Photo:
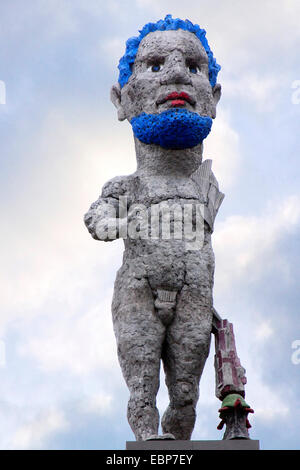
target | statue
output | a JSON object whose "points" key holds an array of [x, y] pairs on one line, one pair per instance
{"points": [[162, 306]]}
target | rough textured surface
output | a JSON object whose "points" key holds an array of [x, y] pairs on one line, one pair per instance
{"points": [[230, 375], [162, 303]]}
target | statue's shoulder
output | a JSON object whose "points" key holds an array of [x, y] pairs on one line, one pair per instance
{"points": [[209, 187], [117, 186]]}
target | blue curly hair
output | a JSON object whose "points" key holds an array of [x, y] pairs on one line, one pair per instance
{"points": [[132, 45]]}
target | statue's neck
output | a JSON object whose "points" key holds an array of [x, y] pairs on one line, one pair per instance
{"points": [[155, 160]]}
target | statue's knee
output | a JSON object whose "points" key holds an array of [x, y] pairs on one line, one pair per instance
{"points": [[183, 394]]}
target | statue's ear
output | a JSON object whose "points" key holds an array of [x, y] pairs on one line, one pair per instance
{"points": [[115, 96], [216, 91]]}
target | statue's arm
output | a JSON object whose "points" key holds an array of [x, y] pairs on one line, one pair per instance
{"points": [[102, 219]]}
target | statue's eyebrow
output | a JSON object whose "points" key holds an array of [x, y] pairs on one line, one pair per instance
{"points": [[201, 58], [151, 56]]}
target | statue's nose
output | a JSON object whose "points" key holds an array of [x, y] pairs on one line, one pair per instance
{"points": [[176, 72]]}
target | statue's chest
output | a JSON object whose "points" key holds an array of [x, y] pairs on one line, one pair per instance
{"points": [[151, 190]]}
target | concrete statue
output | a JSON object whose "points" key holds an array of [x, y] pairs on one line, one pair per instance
{"points": [[162, 306]]}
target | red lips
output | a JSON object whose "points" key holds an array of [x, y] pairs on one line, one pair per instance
{"points": [[178, 99]]}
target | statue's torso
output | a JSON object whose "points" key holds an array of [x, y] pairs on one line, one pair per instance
{"points": [[180, 252], [172, 251]]}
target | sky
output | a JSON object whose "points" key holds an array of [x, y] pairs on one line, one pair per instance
{"points": [[61, 385]]}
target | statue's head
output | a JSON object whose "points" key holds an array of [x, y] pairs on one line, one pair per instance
{"points": [[167, 85]]}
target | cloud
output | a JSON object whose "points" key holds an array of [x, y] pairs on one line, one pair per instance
{"points": [[222, 146], [263, 331], [77, 344], [255, 332], [45, 248], [48, 19], [112, 50], [266, 399], [246, 247], [262, 91], [98, 404], [33, 434], [250, 250]]}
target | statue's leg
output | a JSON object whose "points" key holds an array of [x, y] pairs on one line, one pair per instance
{"points": [[185, 351], [139, 334]]}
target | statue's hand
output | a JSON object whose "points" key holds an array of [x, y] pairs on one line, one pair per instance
{"points": [[106, 229], [101, 221]]}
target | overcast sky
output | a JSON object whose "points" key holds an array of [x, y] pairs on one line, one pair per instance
{"points": [[61, 385]]}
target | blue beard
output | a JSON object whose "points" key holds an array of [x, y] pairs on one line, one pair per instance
{"points": [[175, 128]]}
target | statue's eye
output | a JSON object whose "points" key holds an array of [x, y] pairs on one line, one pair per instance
{"points": [[155, 68], [193, 69]]}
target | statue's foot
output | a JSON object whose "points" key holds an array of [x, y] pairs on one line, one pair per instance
{"points": [[159, 437]]}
